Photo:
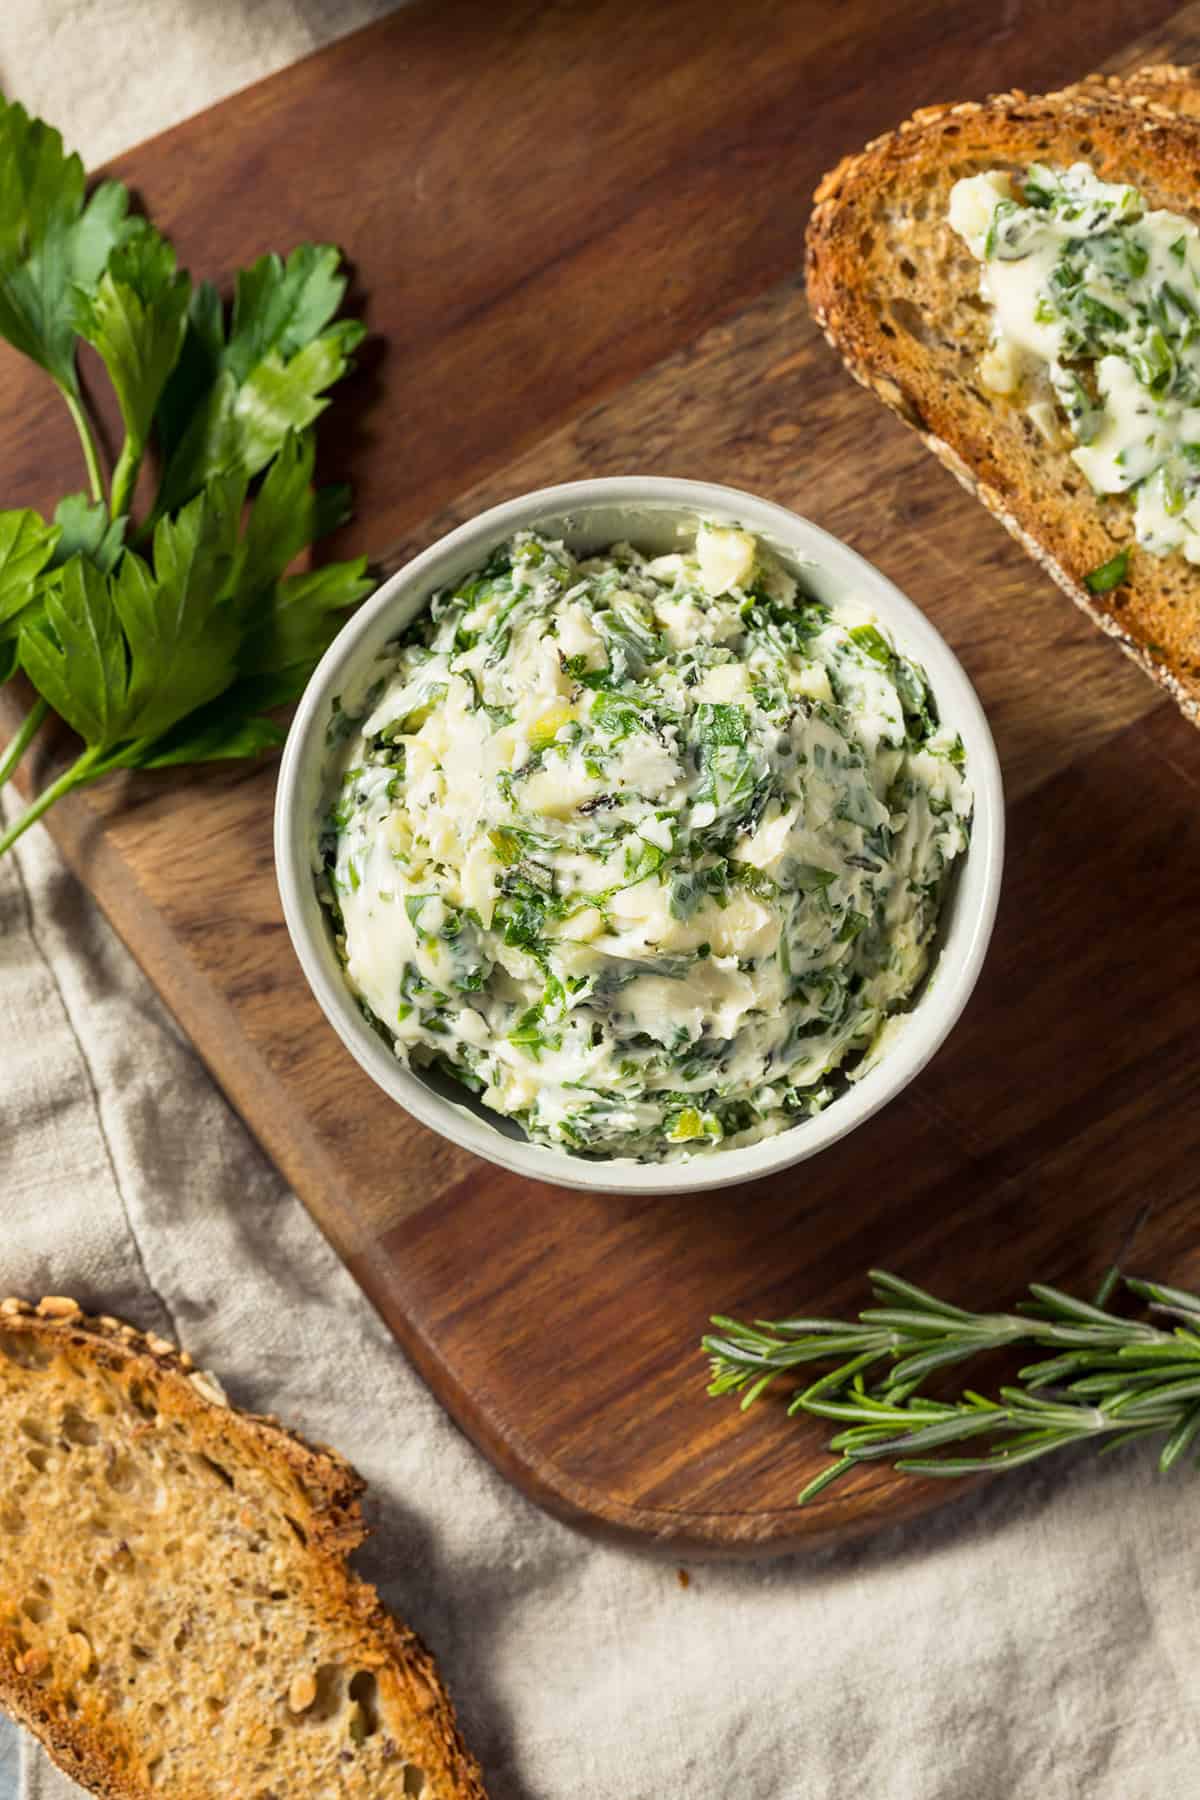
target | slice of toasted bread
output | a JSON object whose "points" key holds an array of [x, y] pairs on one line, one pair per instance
{"points": [[896, 292], [177, 1617]]}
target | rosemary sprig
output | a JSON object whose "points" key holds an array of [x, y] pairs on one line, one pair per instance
{"points": [[1110, 1378]]}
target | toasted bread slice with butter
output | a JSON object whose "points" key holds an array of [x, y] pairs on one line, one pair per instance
{"points": [[177, 1617], [896, 292]]}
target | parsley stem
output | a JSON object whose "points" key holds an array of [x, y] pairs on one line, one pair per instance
{"points": [[30, 727], [90, 456], [124, 477], [79, 772]]}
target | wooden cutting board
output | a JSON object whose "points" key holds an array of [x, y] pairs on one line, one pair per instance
{"points": [[578, 232]]}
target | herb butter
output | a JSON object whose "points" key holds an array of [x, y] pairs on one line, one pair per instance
{"points": [[643, 850], [1100, 296]]}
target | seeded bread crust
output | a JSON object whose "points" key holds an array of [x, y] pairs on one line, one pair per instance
{"points": [[1174, 86], [896, 294], [229, 1652]]}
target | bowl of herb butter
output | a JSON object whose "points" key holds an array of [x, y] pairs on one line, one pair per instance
{"points": [[640, 835]]}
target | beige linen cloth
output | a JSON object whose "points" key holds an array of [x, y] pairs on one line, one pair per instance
{"points": [[1039, 1640]]}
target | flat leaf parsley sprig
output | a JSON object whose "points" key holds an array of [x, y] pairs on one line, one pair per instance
{"points": [[165, 640], [1111, 1378]]}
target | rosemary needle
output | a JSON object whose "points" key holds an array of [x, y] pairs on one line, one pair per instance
{"points": [[1109, 1379]]}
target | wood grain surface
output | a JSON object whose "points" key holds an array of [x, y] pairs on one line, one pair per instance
{"points": [[577, 231]]}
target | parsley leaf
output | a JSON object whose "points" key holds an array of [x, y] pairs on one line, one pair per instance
{"points": [[233, 398], [852, 924], [299, 622], [76, 659], [290, 621], [281, 306], [872, 642], [210, 735], [123, 657], [50, 241], [717, 722], [52, 244], [182, 634], [1109, 575], [79, 528], [156, 664], [26, 545], [135, 319], [288, 515], [87, 530]]}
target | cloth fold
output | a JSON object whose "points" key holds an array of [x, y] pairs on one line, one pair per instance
{"points": [[1035, 1641]]}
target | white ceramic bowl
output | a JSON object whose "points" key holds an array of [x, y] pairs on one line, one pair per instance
{"points": [[653, 513]]}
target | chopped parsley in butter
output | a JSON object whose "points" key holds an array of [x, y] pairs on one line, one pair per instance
{"points": [[1100, 297], [644, 850]]}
